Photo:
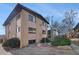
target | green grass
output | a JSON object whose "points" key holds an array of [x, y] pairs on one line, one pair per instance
{"points": [[60, 42]]}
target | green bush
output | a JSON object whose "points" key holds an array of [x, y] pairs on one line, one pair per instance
{"points": [[13, 43], [45, 40], [60, 42]]}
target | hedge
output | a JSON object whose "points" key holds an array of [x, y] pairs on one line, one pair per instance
{"points": [[60, 42], [13, 43]]}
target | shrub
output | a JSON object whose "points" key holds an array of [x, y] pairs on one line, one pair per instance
{"points": [[45, 40], [1, 40], [60, 42], [13, 43]]}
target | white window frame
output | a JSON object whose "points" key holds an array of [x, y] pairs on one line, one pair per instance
{"points": [[18, 29]]}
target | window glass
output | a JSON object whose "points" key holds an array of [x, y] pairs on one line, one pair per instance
{"points": [[32, 30], [18, 29], [32, 18], [43, 32], [44, 24]]}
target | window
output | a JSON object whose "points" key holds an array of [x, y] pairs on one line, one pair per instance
{"points": [[17, 17], [32, 41], [43, 23], [32, 18], [43, 32], [18, 29], [32, 30]]}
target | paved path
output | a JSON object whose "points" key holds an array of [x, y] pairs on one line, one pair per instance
{"points": [[43, 51], [75, 48], [34, 50]]}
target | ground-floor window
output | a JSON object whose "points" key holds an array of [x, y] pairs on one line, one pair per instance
{"points": [[32, 41], [32, 30]]}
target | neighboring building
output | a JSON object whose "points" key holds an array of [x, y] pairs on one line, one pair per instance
{"points": [[52, 33], [49, 34], [75, 32], [76, 28], [25, 24], [55, 32]]}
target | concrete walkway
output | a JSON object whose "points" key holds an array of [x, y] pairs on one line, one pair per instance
{"points": [[42, 50], [75, 48], [65, 50]]}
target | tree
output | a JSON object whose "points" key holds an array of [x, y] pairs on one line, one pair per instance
{"points": [[48, 19], [68, 21], [56, 25], [51, 28], [51, 25], [54, 28]]}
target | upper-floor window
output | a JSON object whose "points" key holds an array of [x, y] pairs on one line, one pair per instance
{"points": [[18, 16], [32, 18], [32, 30], [18, 29], [43, 23], [43, 32]]}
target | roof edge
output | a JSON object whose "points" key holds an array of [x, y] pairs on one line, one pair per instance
{"points": [[25, 8]]}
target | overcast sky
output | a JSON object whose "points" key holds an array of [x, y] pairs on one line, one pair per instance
{"points": [[56, 10]]}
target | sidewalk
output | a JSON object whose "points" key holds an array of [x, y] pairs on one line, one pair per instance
{"points": [[75, 48], [40, 50]]}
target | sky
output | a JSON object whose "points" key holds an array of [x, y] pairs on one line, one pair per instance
{"points": [[56, 10]]}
